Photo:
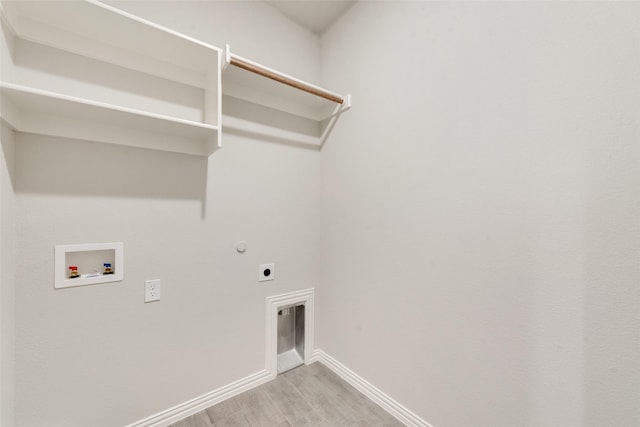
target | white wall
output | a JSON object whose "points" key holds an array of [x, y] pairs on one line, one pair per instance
{"points": [[97, 355], [480, 230], [480, 227], [7, 276], [7, 262], [252, 28]]}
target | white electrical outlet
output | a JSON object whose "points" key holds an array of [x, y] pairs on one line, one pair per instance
{"points": [[267, 272], [152, 290]]}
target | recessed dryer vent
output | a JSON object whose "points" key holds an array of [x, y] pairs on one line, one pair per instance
{"points": [[289, 327], [290, 337]]}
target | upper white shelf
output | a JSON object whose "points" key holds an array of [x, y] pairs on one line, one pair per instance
{"points": [[99, 31], [94, 30], [42, 112]]}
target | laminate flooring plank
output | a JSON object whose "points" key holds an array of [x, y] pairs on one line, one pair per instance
{"points": [[223, 410], [371, 413], [201, 419], [329, 405], [377, 416], [325, 402], [368, 412], [259, 409], [362, 405], [237, 419], [291, 403], [342, 389], [308, 396]]}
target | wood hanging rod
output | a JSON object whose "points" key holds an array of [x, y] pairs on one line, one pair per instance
{"points": [[283, 78]]}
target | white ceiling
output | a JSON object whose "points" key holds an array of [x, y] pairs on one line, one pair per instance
{"points": [[315, 15]]}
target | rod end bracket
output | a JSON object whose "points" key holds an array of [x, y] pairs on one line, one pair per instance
{"points": [[227, 57]]}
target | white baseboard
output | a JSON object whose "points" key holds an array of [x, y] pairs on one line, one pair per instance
{"points": [[390, 405], [186, 409]]}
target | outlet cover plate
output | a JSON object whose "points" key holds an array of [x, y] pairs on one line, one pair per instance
{"points": [[152, 290], [266, 272]]}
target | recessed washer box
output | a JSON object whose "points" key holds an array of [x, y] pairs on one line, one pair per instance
{"points": [[89, 258]]}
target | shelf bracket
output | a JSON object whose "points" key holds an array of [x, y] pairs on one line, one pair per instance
{"points": [[341, 108], [226, 61], [333, 119]]}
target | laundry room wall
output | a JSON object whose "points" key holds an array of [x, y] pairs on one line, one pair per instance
{"points": [[7, 276], [98, 355], [481, 226]]}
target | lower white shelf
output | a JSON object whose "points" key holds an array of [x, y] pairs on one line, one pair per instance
{"points": [[89, 261], [46, 113]]}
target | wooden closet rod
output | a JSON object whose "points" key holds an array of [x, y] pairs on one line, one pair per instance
{"points": [[263, 71]]}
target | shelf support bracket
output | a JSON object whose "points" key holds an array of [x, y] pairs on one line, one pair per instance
{"points": [[333, 119], [226, 61]]}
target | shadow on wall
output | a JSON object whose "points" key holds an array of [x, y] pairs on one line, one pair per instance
{"points": [[8, 149], [255, 121], [49, 165], [107, 82]]}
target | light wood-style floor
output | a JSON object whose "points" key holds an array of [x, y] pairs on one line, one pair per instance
{"points": [[307, 396]]}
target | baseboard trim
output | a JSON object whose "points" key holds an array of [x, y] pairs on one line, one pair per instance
{"points": [[390, 405], [186, 409]]}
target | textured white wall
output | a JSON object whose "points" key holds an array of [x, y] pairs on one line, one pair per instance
{"points": [[7, 276], [97, 355], [252, 28], [481, 226], [7, 260]]}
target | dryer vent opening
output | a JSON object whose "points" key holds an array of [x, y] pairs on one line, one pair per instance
{"points": [[290, 337]]}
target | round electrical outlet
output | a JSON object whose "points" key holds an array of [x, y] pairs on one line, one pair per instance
{"points": [[267, 272]]}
